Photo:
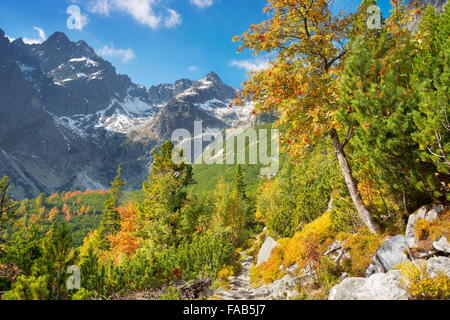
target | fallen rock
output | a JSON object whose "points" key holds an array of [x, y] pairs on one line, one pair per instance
{"points": [[438, 265], [374, 267], [292, 269], [423, 213], [196, 289], [393, 252], [285, 288], [266, 250], [442, 245], [380, 286]]}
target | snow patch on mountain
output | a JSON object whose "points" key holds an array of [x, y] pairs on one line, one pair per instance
{"points": [[120, 123], [86, 61]]}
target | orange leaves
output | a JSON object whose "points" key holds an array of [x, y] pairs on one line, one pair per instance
{"points": [[307, 43], [72, 194], [125, 242], [53, 213]]}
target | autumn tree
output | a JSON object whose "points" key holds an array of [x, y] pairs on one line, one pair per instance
{"points": [[124, 243], [309, 45], [54, 212], [40, 200]]}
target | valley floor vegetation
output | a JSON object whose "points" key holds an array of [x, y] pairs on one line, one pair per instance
{"points": [[366, 142]]}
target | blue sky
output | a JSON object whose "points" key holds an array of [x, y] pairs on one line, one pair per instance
{"points": [[152, 41]]}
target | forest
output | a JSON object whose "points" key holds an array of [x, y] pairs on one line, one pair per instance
{"points": [[365, 143]]}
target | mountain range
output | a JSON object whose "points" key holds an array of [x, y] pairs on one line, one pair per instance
{"points": [[68, 119]]}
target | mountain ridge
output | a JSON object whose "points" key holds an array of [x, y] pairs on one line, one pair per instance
{"points": [[75, 119]]}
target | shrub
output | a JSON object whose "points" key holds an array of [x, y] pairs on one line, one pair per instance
{"points": [[421, 285], [299, 194], [308, 245], [433, 230], [361, 248], [204, 256], [226, 272], [84, 294], [172, 293], [306, 248], [270, 270], [28, 288]]}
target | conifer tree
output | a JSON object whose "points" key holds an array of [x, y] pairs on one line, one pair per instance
{"points": [[57, 255], [238, 182], [377, 101], [94, 274], [111, 218], [165, 195], [431, 80], [7, 204]]}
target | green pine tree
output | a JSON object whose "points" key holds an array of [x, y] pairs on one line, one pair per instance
{"points": [[431, 81], [111, 219], [165, 195], [57, 255], [238, 182], [7, 205], [376, 104], [94, 273]]}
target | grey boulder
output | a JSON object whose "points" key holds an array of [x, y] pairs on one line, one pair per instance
{"points": [[442, 245], [392, 252], [423, 213], [266, 250], [380, 286]]}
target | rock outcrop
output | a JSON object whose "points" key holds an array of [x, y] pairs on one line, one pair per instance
{"points": [[392, 252], [383, 281], [380, 286]]}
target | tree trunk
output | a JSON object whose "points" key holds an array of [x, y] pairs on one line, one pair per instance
{"points": [[352, 185]]}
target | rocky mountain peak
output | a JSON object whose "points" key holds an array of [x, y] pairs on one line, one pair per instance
{"points": [[212, 76], [67, 97], [58, 37], [4, 41]]}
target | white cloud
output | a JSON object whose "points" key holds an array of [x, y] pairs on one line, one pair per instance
{"points": [[202, 3], [126, 55], [194, 69], [42, 37], [146, 12], [251, 64], [101, 7], [173, 19]]}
